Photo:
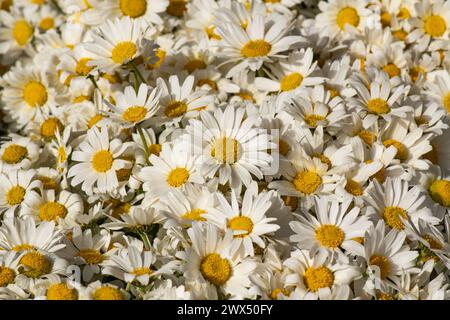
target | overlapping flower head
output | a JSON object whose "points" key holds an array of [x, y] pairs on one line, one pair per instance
{"points": [[230, 149]]}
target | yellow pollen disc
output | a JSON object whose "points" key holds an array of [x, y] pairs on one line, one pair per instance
{"points": [[446, 102], [112, 78], [353, 188], [215, 269], [416, 72], [211, 34], [384, 296], [283, 147], [175, 109], [360, 240], [226, 150], [123, 52], [403, 13], [347, 15], [392, 70], [62, 155], [402, 152], [102, 161], [91, 256], [133, 8], [93, 121], [6, 4], [312, 119], [291, 81], [61, 291], [307, 182], [385, 19], [333, 92], [134, 114], [108, 293], [80, 99], [177, 177], [49, 126], [378, 106], [434, 244], [194, 214], [68, 80], [14, 153], [121, 209], [194, 64], [256, 48], [176, 8], [22, 32], [23, 247], [400, 34], [142, 271], [48, 183], [47, 23], [440, 192], [274, 294], [161, 55], [432, 155], [391, 216], [330, 236], [383, 263], [51, 211], [7, 276], [15, 195], [35, 94], [211, 83], [82, 68], [248, 96], [123, 174], [366, 136], [241, 223], [435, 26], [290, 201], [324, 159], [155, 149], [317, 278], [38, 2], [36, 264]]}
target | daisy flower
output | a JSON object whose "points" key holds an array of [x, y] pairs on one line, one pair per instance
{"points": [[248, 221], [19, 153], [103, 291], [99, 160], [16, 31]]}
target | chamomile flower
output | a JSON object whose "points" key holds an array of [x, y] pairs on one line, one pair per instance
{"points": [[19, 153]]}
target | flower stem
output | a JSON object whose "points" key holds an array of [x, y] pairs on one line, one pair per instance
{"points": [[144, 142], [137, 72]]}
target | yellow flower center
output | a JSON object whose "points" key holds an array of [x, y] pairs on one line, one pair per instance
{"points": [[307, 182], [400, 34], [123, 174], [80, 99], [194, 64], [333, 92], [47, 23], [392, 70], [383, 263], [82, 68], [155, 149], [133, 8], [176, 8], [245, 95], [290, 201], [403, 13], [384, 296], [142, 271], [49, 126], [35, 94], [175, 109], [51, 211], [15, 195], [7, 276], [14, 153], [330, 236], [379, 175], [435, 26], [215, 269], [366, 136], [22, 32], [211, 34], [35, 264], [23, 247], [93, 121], [312, 119], [177, 177], [291, 81], [241, 223], [347, 15], [226, 150], [378, 106], [38, 2], [440, 192], [123, 52], [211, 83], [48, 183], [108, 293], [61, 291], [161, 55], [353, 188], [434, 244], [91, 256], [6, 4], [385, 19], [256, 48], [416, 72], [391, 216], [283, 147], [194, 214], [324, 159], [102, 161], [446, 102], [402, 152], [317, 278], [274, 294], [134, 114]]}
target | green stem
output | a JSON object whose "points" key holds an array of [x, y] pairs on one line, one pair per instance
{"points": [[144, 142], [55, 3], [137, 73], [93, 82], [145, 240]]}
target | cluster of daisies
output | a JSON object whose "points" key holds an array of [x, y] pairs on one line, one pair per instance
{"points": [[230, 149]]}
